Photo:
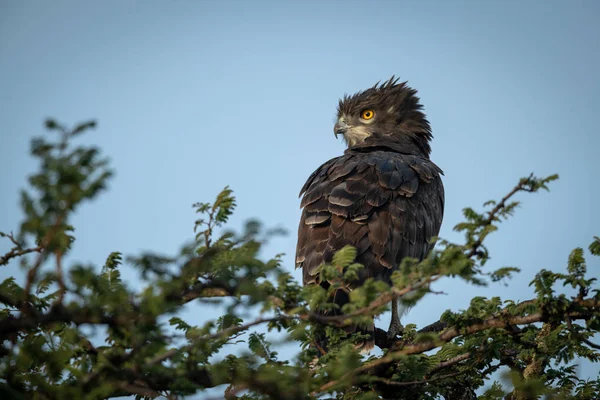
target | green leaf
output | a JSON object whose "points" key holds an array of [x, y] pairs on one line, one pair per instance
{"points": [[344, 257], [595, 246]]}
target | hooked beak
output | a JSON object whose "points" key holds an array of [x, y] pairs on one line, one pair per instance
{"points": [[341, 127]]}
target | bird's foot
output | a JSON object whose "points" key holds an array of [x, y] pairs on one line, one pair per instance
{"points": [[394, 331], [396, 327]]}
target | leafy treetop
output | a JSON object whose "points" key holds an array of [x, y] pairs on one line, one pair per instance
{"points": [[151, 351]]}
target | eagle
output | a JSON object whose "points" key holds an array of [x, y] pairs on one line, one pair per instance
{"points": [[383, 196]]}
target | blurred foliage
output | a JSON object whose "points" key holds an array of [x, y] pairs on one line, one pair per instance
{"points": [[148, 350]]}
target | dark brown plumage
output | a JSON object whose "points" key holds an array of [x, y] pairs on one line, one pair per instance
{"points": [[383, 196]]}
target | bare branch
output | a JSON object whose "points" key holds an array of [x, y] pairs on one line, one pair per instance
{"points": [[17, 250]]}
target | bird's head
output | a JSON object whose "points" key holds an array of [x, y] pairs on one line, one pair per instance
{"points": [[387, 114]]}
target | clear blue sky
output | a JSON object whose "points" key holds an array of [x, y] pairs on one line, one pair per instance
{"points": [[195, 95]]}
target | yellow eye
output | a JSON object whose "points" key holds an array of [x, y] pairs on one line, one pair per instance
{"points": [[367, 114]]}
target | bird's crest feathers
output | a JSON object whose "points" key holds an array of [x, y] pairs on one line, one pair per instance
{"points": [[399, 120]]}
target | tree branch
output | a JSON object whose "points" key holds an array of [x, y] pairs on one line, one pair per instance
{"points": [[492, 215], [17, 250], [453, 332]]}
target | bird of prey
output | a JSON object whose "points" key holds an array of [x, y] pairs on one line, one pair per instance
{"points": [[384, 196]]}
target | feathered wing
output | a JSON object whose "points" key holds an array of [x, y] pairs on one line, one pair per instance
{"points": [[386, 204]]}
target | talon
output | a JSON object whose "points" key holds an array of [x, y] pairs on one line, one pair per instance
{"points": [[394, 332]]}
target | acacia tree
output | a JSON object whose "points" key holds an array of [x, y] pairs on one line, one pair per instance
{"points": [[150, 351]]}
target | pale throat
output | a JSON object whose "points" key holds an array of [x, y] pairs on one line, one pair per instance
{"points": [[356, 135]]}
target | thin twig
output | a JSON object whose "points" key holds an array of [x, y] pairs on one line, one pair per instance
{"points": [[225, 332], [59, 277], [17, 250], [579, 335], [421, 382], [493, 213], [451, 361]]}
